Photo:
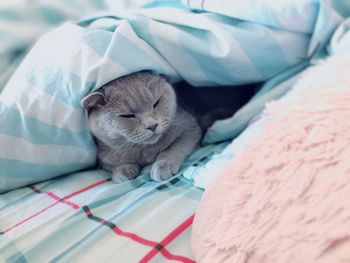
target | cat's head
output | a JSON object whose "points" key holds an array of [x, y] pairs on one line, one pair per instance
{"points": [[138, 108]]}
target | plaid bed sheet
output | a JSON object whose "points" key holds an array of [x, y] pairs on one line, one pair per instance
{"points": [[83, 217]]}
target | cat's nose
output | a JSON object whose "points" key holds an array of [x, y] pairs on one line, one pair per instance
{"points": [[152, 127]]}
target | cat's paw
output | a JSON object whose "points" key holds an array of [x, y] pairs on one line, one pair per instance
{"points": [[119, 178], [163, 170], [124, 173]]}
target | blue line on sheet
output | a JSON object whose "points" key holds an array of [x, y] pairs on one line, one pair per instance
{"points": [[22, 199]]}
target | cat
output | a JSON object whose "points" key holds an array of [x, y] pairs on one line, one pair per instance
{"points": [[136, 121]]}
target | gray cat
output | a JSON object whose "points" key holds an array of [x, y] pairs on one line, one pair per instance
{"points": [[136, 121]]}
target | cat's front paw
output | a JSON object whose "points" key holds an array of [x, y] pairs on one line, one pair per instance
{"points": [[124, 173], [163, 170]]}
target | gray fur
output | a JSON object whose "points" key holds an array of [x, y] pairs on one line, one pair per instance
{"points": [[125, 144]]}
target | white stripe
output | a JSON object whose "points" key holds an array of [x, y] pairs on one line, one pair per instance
{"points": [[176, 17], [187, 66], [129, 33], [292, 14], [35, 103], [13, 148], [224, 45], [293, 53], [73, 10], [114, 5], [93, 68], [22, 31], [87, 64]]}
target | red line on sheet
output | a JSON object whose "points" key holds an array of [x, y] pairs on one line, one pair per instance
{"points": [[169, 256], [167, 240], [134, 237], [30, 217], [177, 231], [58, 200], [86, 188]]}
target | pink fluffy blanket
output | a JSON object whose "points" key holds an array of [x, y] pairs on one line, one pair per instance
{"points": [[287, 198]]}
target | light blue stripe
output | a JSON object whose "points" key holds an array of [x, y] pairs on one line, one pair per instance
{"points": [[73, 4], [98, 3], [37, 132], [141, 26], [10, 42], [326, 22], [17, 258], [121, 50], [165, 3], [342, 6], [82, 5], [62, 84], [266, 17], [8, 14], [51, 15], [196, 43], [261, 48]]}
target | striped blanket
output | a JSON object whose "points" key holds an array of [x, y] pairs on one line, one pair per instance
{"points": [[43, 128]]}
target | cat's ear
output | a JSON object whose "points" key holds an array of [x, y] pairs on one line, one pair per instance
{"points": [[93, 99]]}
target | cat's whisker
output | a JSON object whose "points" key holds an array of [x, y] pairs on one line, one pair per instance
{"points": [[126, 143]]}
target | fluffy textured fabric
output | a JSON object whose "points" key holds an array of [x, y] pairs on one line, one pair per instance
{"points": [[287, 198]]}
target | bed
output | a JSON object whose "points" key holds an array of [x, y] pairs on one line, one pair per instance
{"points": [[55, 204]]}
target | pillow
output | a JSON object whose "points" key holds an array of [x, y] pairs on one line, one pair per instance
{"points": [[286, 198]]}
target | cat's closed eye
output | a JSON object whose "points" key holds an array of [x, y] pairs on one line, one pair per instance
{"points": [[128, 116], [156, 104]]}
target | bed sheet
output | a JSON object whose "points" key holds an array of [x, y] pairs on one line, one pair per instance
{"points": [[84, 217]]}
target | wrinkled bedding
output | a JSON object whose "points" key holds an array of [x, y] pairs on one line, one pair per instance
{"points": [[43, 128], [83, 217]]}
